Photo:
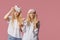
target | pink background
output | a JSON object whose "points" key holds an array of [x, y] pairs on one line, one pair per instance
{"points": [[48, 12]]}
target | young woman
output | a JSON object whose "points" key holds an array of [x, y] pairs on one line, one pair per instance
{"points": [[15, 21], [31, 26]]}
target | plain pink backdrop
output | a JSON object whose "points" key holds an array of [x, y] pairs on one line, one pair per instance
{"points": [[48, 13]]}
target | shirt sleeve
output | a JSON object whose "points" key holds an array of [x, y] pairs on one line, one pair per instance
{"points": [[36, 31], [38, 25], [24, 26], [9, 18]]}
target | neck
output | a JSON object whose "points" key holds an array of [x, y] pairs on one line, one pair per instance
{"points": [[15, 17], [31, 20]]}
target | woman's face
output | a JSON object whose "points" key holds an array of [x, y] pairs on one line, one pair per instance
{"points": [[16, 14], [32, 15]]}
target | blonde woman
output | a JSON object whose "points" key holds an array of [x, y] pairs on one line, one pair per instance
{"points": [[31, 26], [15, 21]]}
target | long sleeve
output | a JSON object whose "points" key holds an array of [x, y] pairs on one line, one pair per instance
{"points": [[36, 31], [38, 25]]}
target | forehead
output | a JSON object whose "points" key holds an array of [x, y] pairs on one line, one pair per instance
{"points": [[16, 12], [31, 13]]}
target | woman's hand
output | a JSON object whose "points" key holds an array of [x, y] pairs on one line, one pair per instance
{"points": [[12, 9]]}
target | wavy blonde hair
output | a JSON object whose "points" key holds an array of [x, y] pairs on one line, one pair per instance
{"points": [[34, 18], [19, 17]]}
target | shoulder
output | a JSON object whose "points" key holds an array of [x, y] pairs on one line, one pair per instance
{"points": [[9, 19]]}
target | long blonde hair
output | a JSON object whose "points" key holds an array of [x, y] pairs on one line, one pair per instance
{"points": [[19, 17], [34, 18]]}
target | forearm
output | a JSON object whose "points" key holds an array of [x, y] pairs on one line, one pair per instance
{"points": [[6, 16]]}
